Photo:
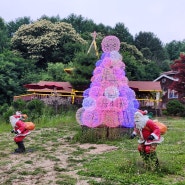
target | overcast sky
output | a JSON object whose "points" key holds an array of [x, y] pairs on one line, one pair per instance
{"points": [[164, 18]]}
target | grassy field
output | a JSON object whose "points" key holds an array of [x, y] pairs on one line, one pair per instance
{"points": [[56, 155]]}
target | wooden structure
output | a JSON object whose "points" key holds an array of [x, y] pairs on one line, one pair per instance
{"points": [[148, 93], [44, 89], [165, 80]]}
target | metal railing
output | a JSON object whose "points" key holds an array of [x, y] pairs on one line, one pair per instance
{"points": [[78, 99]]}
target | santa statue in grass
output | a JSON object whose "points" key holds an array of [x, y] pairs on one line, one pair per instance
{"points": [[19, 128], [149, 137]]}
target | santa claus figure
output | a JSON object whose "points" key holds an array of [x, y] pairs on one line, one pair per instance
{"points": [[19, 128], [149, 136]]}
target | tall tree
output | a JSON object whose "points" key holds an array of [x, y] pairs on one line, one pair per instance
{"points": [[122, 33], [80, 24], [83, 68], [150, 46], [179, 67], [174, 49], [4, 41], [13, 26], [14, 73], [43, 40]]}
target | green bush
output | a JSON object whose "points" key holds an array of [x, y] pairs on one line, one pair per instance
{"points": [[175, 108]]}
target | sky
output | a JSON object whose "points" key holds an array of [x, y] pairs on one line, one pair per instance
{"points": [[164, 18]]}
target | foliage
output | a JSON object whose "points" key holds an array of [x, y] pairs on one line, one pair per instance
{"points": [[56, 71], [82, 73], [175, 108], [13, 26], [40, 39], [80, 24], [179, 67], [174, 48], [14, 73], [150, 46], [122, 33], [4, 40]]}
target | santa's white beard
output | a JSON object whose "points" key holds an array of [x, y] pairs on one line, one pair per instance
{"points": [[141, 122]]}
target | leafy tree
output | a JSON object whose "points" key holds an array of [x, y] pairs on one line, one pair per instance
{"points": [[134, 68], [179, 67], [43, 39], [13, 26], [122, 33], [152, 71], [125, 47], [14, 73], [174, 49], [56, 71]]}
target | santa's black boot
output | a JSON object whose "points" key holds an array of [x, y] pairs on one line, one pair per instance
{"points": [[21, 147]]}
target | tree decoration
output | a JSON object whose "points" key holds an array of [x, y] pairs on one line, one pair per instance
{"points": [[79, 115], [110, 43], [108, 101]]}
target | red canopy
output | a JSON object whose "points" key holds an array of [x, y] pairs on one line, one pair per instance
{"points": [[53, 85], [33, 86], [48, 85]]}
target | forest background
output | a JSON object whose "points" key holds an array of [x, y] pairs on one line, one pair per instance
{"points": [[31, 51]]}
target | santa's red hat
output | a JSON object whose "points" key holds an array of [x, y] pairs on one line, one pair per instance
{"points": [[143, 112]]}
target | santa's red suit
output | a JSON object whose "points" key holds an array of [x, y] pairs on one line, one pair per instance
{"points": [[148, 132], [19, 128]]}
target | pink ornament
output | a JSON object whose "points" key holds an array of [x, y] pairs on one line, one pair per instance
{"points": [[115, 56], [102, 103], [95, 92], [79, 115], [91, 118], [111, 92], [89, 103], [97, 70], [110, 118], [110, 43], [106, 63]]}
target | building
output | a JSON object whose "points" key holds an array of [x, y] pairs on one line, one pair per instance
{"points": [[166, 79]]}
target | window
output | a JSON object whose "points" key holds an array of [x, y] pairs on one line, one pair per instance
{"points": [[172, 94]]}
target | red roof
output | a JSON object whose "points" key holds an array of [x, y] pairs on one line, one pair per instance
{"points": [[65, 87], [145, 85]]}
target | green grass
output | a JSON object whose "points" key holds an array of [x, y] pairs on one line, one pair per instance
{"points": [[61, 135]]}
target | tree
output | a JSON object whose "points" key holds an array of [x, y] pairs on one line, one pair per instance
{"points": [[179, 67], [14, 73], [174, 49], [122, 33], [43, 40], [150, 46], [83, 66], [13, 26], [4, 41], [80, 24], [53, 19]]}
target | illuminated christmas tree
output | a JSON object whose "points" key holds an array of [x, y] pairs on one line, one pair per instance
{"points": [[109, 101]]}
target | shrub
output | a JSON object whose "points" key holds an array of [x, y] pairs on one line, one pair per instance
{"points": [[175, 108]]}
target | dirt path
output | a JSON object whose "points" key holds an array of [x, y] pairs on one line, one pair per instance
{"points": [[53, 161]]}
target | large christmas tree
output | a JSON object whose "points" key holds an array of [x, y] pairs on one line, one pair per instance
{"points": [[108, 101]]}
